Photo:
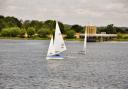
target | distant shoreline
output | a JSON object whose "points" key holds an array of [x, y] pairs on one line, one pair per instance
{"points": [[18, 38], [67, 39]]}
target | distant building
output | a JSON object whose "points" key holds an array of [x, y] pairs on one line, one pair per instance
{"points": [[92, 36], [90, 29]]}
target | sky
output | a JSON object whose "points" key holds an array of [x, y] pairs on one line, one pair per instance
{"points": [[83, 12]]}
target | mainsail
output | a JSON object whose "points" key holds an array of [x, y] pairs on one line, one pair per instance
{"points": [[58, 41]]}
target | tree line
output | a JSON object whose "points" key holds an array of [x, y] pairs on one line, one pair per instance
{"points": [[11, 26]]}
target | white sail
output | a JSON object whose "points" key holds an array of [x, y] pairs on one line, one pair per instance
{"points": [[51, 50], [85, 41], [58, 41]]}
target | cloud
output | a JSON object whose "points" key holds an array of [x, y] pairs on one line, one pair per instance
{"points": [[99, 12]]}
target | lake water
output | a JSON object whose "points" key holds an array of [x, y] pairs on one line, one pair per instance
{"points": [[23, 65]]}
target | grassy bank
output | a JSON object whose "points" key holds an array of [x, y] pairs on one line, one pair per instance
{"points": [[18, 38], [120, 37], [36, 38], [121, 40]]}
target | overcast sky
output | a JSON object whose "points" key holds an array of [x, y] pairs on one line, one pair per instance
{"points": [[97, 12]]}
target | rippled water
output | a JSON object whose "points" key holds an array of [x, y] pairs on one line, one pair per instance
{"points": [[23, 65]]}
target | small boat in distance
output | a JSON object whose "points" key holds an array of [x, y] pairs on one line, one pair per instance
{"points": [[57, 45], [85, 44]]}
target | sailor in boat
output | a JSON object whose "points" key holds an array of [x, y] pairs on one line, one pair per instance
{"points": [[57, 54]]}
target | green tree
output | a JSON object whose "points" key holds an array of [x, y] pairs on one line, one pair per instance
{"points": [[14, 31], [70, 34], [5, 32], [43, 33], [119, 30], [10, 32], [30, 31], [126, 30], [101, 29], [12, 22], [50, 24], [61, 27], [119, 36], [2, 25], [77, 28], [2, 22], [110, 29], [1, 17], [67, 27], [36, 24], [26, 24], [22, 32]]}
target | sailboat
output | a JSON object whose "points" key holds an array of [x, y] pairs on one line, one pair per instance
{"points": [[57, 45], [85, 42]]}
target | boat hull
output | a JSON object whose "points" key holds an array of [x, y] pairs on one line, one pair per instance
{"points": [[54, 57]]}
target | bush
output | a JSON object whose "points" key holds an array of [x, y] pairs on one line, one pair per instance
{"points": [[43, 33], [122, 36], [30, 31], [125, 36], [5, 32], [70, 34], [15, 31], [22, 33], [119, 36], [10, 32], [77, 28]]}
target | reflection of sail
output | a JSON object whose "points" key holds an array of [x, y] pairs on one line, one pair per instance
{"points": [[51, 50], [59, 42]]}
